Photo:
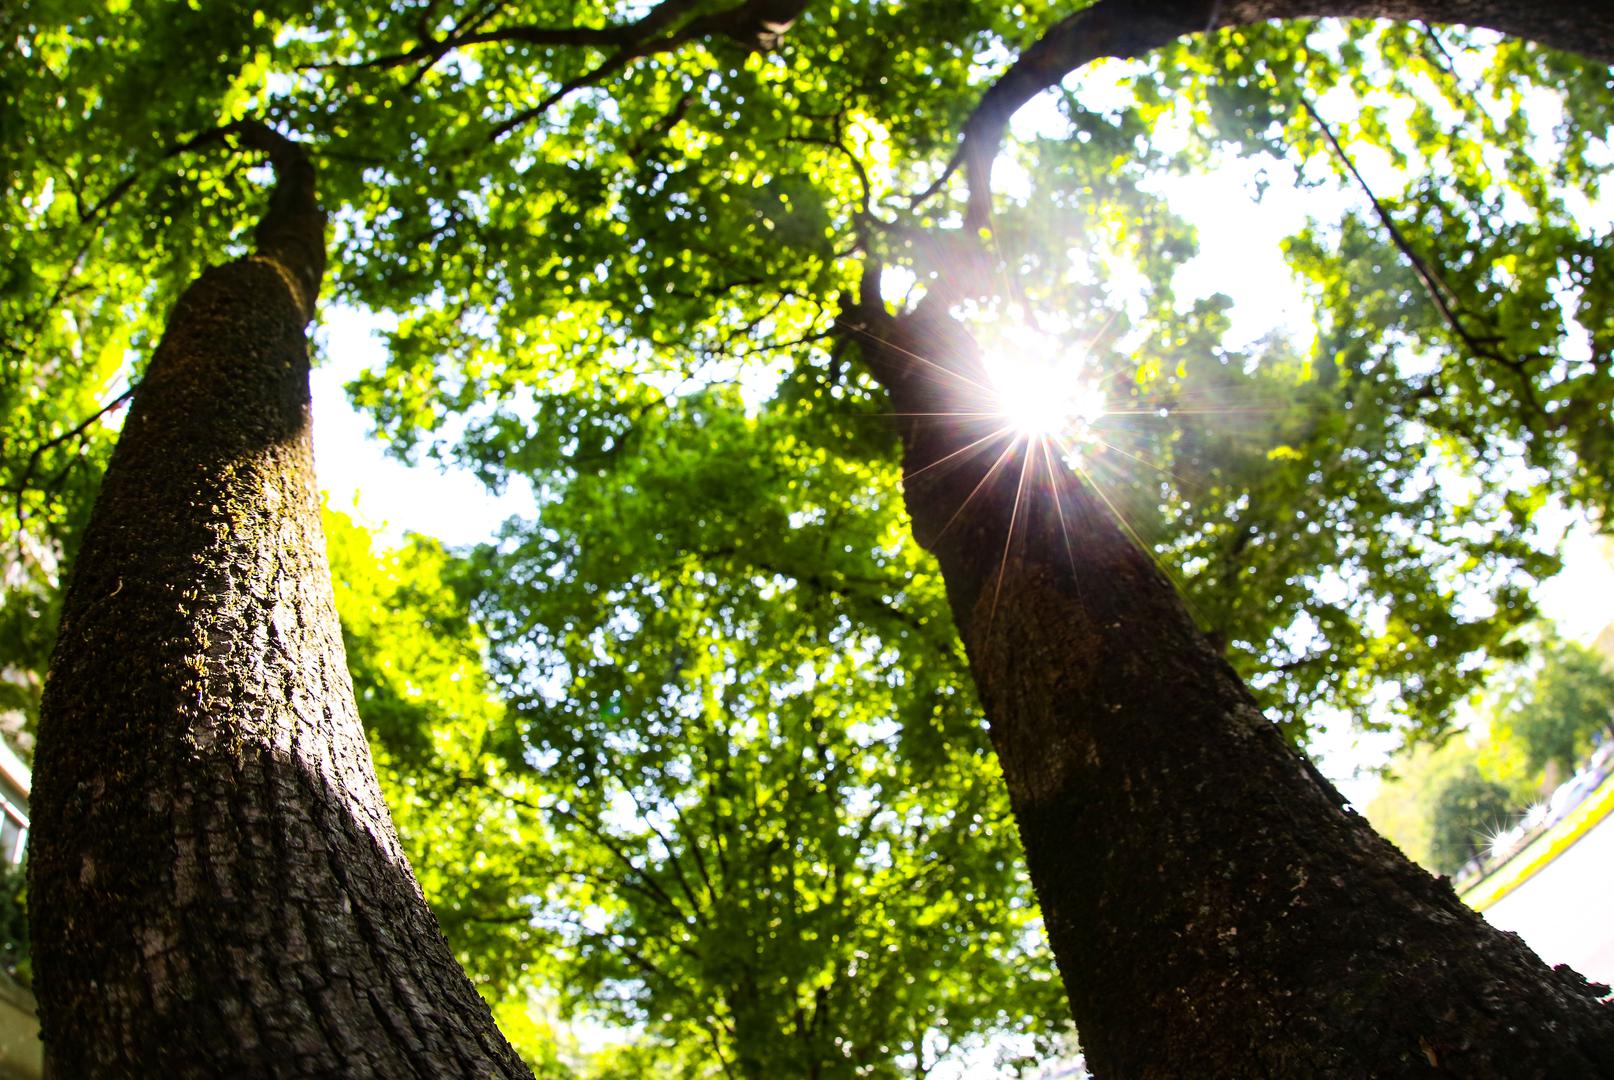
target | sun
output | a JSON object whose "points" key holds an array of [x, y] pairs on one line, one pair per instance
{"points": [[1040, 389]]}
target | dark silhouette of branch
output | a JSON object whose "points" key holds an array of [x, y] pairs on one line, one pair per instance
{"points": [[651, 887], [1432, 37], [757, 25], [20, 487], [672, 855], [1442, 295], [78, 430], [1126, 29], [861, 170], [469, 34], [470, 25]]}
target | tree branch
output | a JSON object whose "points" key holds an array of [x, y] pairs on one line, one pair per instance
{"points": [[1445, 299], [20, 488], [1126, 29], [672, 854], [861, 170], [75, 432], [757, 25], [468, 35], [1109, 28]]}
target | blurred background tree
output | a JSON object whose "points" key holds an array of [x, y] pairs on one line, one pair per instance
{"points": [[1555, 709]]}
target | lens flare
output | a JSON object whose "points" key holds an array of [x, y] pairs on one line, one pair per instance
{"points": [[1041, 390]]}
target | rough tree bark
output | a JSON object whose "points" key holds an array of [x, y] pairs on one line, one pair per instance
{"points": [[1213, 908], [219, 889]]}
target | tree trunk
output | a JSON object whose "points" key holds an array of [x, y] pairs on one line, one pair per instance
{"points": [[218, 889], [1213, 908]]}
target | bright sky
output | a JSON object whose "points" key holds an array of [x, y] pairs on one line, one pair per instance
{"points": [[357, 474], [1580, 599]]}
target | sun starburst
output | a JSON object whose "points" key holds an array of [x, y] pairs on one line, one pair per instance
{"points": [[1040, 389]]}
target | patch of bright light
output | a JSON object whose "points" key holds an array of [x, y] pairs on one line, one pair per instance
{"points": [[1040, 388]]}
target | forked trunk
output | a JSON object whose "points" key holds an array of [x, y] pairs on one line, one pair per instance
{"points": [[218, 887], [1213, 908]]}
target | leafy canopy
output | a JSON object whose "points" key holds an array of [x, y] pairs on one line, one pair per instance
{"points": [[703, 832], [1351, 513], [561, 204]]}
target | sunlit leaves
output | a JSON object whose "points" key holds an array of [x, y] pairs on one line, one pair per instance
{"points": [[807, 834], [698, 206], [442, 741], [717, 641], [720, 808]]}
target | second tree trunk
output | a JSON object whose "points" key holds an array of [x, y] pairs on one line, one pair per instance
{"points": [[1214, 908]]}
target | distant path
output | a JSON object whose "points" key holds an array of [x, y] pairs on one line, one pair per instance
{"points": [[1563, 911]]}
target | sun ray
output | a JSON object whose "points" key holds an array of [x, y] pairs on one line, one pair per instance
{"points": [[988, 437], [1141, 460], [1177, 583], [910, 354], [1008, 540], [1059, 510], [976, 490]]}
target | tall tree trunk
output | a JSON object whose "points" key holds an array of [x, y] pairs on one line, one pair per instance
{"points": [[1214, 909], [218, 887]]}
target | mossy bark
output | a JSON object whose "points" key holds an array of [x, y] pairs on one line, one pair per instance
{"points": [[217, 886], [1214, 908]]}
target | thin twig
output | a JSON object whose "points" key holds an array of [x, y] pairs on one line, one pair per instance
{"points": [[861, 170], [754, 24], [1440, 294], [20, 489]]}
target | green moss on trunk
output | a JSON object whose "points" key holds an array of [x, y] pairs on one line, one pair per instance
{"points": [[219, 889]]}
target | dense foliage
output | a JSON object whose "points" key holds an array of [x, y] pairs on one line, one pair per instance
{"points": [[712, 834], [685, 206], [659, 229]]}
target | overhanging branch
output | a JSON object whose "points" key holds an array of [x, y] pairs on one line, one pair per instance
{"points": [[1127, 29], [1441, 295], [470, 34], [755, 24]]}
